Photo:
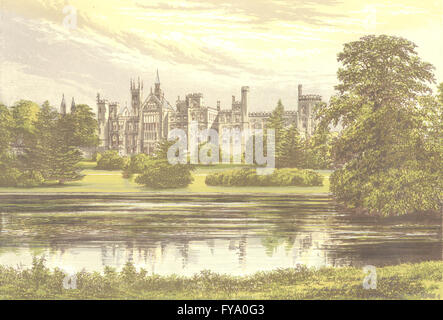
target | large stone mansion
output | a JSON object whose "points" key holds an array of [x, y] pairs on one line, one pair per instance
{"points": [[138, 128]]}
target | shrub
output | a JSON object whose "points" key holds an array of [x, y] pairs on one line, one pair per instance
{"points": [[96, 156], [8, 176], [393, 192], [280, 177], [29, 179], [13, 177], [139, 163], [111, 160], [160, 174]]}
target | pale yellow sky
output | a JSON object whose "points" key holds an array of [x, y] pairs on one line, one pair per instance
{"points": [[207, 46]]}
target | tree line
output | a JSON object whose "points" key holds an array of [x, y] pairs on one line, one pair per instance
{"points": [[40, 146]]}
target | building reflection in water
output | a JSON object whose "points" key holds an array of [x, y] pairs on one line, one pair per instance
{"points": [[235, 238]]}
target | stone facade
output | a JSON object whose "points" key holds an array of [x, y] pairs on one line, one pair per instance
{"points": [[138, 128]]}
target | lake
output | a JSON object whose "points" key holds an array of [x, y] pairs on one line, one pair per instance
{"points": [[185, 234]]}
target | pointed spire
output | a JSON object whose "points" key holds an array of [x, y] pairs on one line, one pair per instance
{"points": [[63, 105], [157, 79], [72, 105]]}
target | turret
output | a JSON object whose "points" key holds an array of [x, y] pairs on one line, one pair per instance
{"points": [[113, 110], [136, 96], [102, 122], [63, 106], [157, 90]]}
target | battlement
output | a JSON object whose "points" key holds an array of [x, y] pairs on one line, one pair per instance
{"points": [[309, 97], [260, 114], [194, 95]]}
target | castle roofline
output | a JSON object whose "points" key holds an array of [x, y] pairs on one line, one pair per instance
{"points": [[309, 97]]}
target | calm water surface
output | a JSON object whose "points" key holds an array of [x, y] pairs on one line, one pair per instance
{"points": [[185, 234]]}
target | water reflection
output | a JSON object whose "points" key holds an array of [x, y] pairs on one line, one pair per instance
{"points": [[184, 235]]}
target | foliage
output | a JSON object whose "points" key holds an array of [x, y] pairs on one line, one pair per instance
{"points": [[289, 151], [160, 174], [111, 160], [276, 122], [280, 177], [6, 126], [391, 139], [53, 155], [37, 146], [317, 149], [96, 156], [139, 163], [24, 113], [294, 151], [161, 149], [83, 127], [407, 281]]}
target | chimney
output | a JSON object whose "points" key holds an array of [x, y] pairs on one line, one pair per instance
{"points": [[218, 105], [244, 103]]}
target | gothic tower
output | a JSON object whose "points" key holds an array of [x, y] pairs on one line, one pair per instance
{"points": [[136, 96], [157, 90], [102, 117]]}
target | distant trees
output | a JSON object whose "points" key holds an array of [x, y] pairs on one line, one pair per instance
{"points": [[41, 145], [294, 151], [390, 150]]}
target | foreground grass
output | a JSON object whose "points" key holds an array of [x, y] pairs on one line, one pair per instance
{"points": [[113, 181], [407, 281]]}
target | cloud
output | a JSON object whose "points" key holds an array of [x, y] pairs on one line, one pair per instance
{"points": [[203, 45]]}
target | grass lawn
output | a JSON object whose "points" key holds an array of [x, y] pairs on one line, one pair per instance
{"points": [[112, 181], [407, 281]]}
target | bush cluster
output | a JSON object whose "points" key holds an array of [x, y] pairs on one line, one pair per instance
{"points": [[393, 192], [280, 177], [160, 174]]}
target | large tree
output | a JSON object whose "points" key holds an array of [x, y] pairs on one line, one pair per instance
{"points": [[83, 126], [318, 148], [55, 153], [388, 164], [6, 126], [290, 153], [24, 113]]}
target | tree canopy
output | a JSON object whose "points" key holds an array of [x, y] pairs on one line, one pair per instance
{"points": [[384, 102]]}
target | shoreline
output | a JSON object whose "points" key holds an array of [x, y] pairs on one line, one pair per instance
{"points": [[422, 280]]}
